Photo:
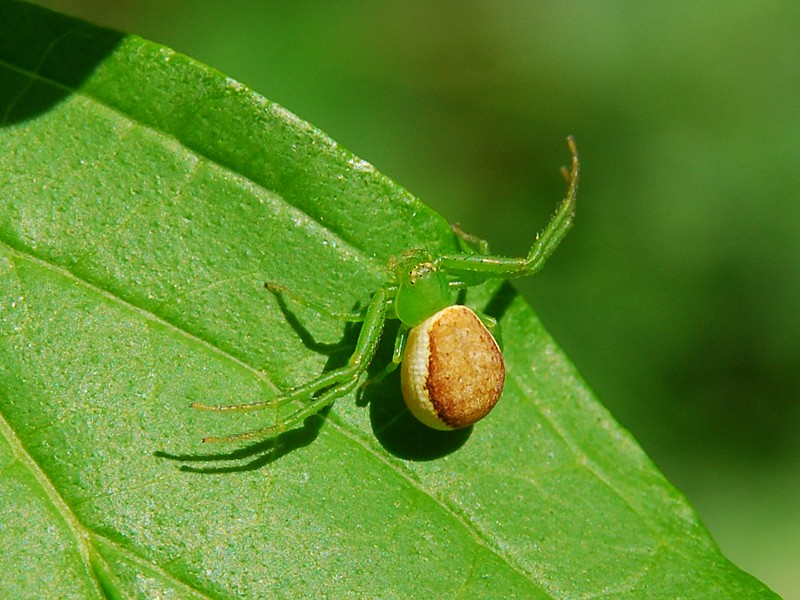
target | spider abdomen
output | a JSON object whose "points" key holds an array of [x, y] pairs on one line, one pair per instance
{"points": [[452, 370]]}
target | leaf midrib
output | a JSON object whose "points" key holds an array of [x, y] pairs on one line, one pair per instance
{"points": [[79, 532]]}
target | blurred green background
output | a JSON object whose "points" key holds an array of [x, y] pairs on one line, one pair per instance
{"points": [[677, 292]]}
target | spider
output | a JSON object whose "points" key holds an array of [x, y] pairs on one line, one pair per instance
{"points": [[452, 371]]}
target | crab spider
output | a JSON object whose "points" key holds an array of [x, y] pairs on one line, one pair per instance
{"points": [[452, 368]]}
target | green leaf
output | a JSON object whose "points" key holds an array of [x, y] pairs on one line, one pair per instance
{"points": [[144, 200]]}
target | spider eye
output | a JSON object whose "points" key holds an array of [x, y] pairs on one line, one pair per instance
{"points": [[420, 271]]}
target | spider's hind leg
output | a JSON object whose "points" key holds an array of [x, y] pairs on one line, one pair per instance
{"points": [[289, 420]]}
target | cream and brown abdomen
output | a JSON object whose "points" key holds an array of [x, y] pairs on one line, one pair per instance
{"points": [[452, 370]]}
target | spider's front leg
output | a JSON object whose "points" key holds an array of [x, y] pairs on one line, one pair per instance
{"points": [[325, 389], [471, 243], [482, 267]]}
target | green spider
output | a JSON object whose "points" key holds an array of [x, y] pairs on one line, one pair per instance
{"points": [[452, 368]]}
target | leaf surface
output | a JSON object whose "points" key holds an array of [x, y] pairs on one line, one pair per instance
{"points": [[144, 200]]}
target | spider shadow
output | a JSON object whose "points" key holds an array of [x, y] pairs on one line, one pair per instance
{"points": [[266, 451], [397, 430], [253, 456], [347, 341]]}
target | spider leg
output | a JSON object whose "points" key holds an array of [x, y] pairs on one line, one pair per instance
{"points": [[469, 241], [481, 267], [336, 380], [291, 419], [493, 325], [397, 356]]}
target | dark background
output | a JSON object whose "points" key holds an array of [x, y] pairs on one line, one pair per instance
{"points": [[677, 293]]}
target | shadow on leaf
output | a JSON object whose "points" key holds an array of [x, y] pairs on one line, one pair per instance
{"points": [[46, 68], [348, 338], [255, 455], [400, 433]]}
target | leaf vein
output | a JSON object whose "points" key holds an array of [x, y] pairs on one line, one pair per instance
{"points": [[77, 529], [145, 314], [445, 506]]}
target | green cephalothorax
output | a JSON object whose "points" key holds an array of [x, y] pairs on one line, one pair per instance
{"points": [[422, 289], [453, 371]]}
